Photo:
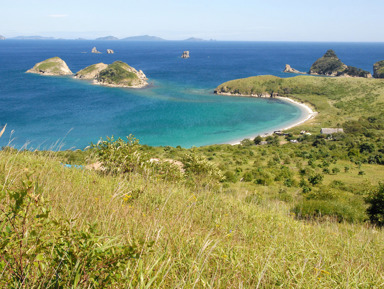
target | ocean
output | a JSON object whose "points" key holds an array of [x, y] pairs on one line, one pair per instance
{"points": [[179, 107]]}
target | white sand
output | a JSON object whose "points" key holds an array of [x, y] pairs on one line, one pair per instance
{"points": [[309, 114]]}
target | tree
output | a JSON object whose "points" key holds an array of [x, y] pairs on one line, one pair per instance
{"points": [[375, 210]]}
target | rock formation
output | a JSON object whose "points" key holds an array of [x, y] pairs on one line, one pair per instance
{"points": [[289, 69], [94, 50], [117, 74], [185, 54], [110, 51], [2, 37], [331, 65], [51, 66], [91, 72], [378, 69]]}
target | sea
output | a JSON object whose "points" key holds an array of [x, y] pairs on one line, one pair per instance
{"points": [[179, 107]]}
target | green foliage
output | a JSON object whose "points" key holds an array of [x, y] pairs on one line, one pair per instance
{"points": [[40, 251], [378, 69], [328, 64], [119, 156], [375, 210], [200, 169], [118, 73]]}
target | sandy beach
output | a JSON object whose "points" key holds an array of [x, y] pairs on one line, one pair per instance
{"points": [[308, 114]]}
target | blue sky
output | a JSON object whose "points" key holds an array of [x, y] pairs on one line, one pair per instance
{"points": [[250, 20]]}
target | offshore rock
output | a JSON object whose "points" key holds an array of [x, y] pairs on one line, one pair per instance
{"points": [[185, 54], [94, 50], [110, 51], [289, 69]]}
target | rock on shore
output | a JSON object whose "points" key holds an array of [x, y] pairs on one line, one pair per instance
{"points": [[51, 66]]}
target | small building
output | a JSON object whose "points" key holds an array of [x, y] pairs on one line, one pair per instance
{"points": [[331, 130]]}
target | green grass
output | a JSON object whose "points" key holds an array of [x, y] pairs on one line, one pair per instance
{"points": [[287, 215], [88, 69]]}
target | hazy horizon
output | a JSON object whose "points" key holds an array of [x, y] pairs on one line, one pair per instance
{"points": [[244, 20]]}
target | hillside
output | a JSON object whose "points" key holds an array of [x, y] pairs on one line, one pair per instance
{"points": [[378, 69], [302, 214]]}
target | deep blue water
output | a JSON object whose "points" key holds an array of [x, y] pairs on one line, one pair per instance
{"points": [[178, 109]]}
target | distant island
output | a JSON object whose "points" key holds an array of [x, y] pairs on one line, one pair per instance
{"points": [[330, 65], [52, 66], [107, 38], [32, 38], [117, 74], [2, 37], [143, 38]]}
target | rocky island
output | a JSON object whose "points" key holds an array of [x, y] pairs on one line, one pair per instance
{"points": [[117, 74], [185, 55], [289, 69], [94, 50], [378, 69], [52, 66], [331, 65]]}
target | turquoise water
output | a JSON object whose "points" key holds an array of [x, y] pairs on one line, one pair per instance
{"points": [[179, 108]]}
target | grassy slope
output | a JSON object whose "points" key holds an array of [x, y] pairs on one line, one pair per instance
{"points": [[207, 237], [336, 99], [239, 233], [118, 73]]}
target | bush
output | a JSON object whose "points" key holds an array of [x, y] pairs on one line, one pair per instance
{"points": [[40, 251], [375, 210]]}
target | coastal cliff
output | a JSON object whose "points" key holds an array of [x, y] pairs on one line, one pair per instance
{"points": [[117, 74], [330, 65], [52, 66], [378, 69]]}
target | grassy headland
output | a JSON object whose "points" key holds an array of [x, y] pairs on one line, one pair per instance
{"points": [[289, 215]]}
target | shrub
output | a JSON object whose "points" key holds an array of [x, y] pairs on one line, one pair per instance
{"points": [[375, 210], [40, 251]]}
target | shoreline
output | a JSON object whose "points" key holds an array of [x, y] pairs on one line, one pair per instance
{"points": [[309, 114]]}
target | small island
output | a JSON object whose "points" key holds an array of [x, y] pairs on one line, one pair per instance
{"points": [[330, 65], [52, 66], [378, 69], [117, 74]]}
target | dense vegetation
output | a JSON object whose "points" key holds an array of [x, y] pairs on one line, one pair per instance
{"points": [[305, 214], [118, 73], [378, 69]]}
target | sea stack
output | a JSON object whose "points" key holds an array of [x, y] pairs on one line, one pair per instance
{"points": [[51, 66], [378, 69], [110, 51], [289, 69], [94, 50], [185, 54]]}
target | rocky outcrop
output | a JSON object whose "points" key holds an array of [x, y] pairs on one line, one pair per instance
{"points": [[2, 37], [91, 72], [110, 51], [94, 50], [378, 69], [331, 65], [51, 66], [117, 74], [289, 69], [185, 54]]}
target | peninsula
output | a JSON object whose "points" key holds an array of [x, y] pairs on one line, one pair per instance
{"points": [[52, 66]]}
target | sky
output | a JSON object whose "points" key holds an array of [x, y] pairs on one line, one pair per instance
{"points": [[239, 20]]}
